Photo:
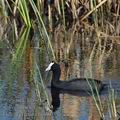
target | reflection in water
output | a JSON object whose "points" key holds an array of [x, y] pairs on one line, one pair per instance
{"points": [[55, 98], [71, 105], [79, 105], [12, 102], [84, 111], [18, 99], [17, 96], [55, 94], [16, 102]]}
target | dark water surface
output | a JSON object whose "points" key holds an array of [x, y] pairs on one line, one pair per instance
{"points": [[19, 99]]}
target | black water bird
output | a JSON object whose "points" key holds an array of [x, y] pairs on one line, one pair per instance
{"points": [[77, 84]]}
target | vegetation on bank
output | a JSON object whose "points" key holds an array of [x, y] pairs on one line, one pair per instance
{"points": [[96, 23]]}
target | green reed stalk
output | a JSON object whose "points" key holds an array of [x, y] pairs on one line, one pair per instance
{"points": [[95, 14], [41, 22], [4, 11], [23, 9], [21, 45], [42, 84], [63, 12], [111, 103], [8, 5], [96, 97]]}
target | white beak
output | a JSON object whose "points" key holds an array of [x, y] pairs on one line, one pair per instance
{"points": [[49, 67]]}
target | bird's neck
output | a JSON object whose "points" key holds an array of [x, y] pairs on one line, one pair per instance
{"points": [[56, 76]]}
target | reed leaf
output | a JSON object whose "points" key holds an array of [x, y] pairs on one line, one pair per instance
{"points": [[21, 45], [8, 5], [41, 24], [96, 97], [41, 83], [97, 6], [63, 12], [3, 10], [111, 103], [23, 9]]}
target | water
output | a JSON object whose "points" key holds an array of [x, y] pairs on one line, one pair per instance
{"points": [[19, 96]]}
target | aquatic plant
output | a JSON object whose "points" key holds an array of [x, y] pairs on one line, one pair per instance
{"points": [[3, 10], [42, 24], [24, 11], [21, 44], [94, 23], [112, 103]]}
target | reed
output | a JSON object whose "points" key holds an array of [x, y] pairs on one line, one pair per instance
{"points": [[63, 13], [96, 98], [15, 24], [112, 103], [42, 24], [21, 44], [24, 11], [40, 87], [104, 29], [3, 10]]}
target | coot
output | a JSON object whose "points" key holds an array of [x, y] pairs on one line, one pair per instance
{"points": [[77, 84]]}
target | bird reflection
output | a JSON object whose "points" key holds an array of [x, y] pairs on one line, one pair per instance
{"points": [[55, 94], [55, 98]]}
